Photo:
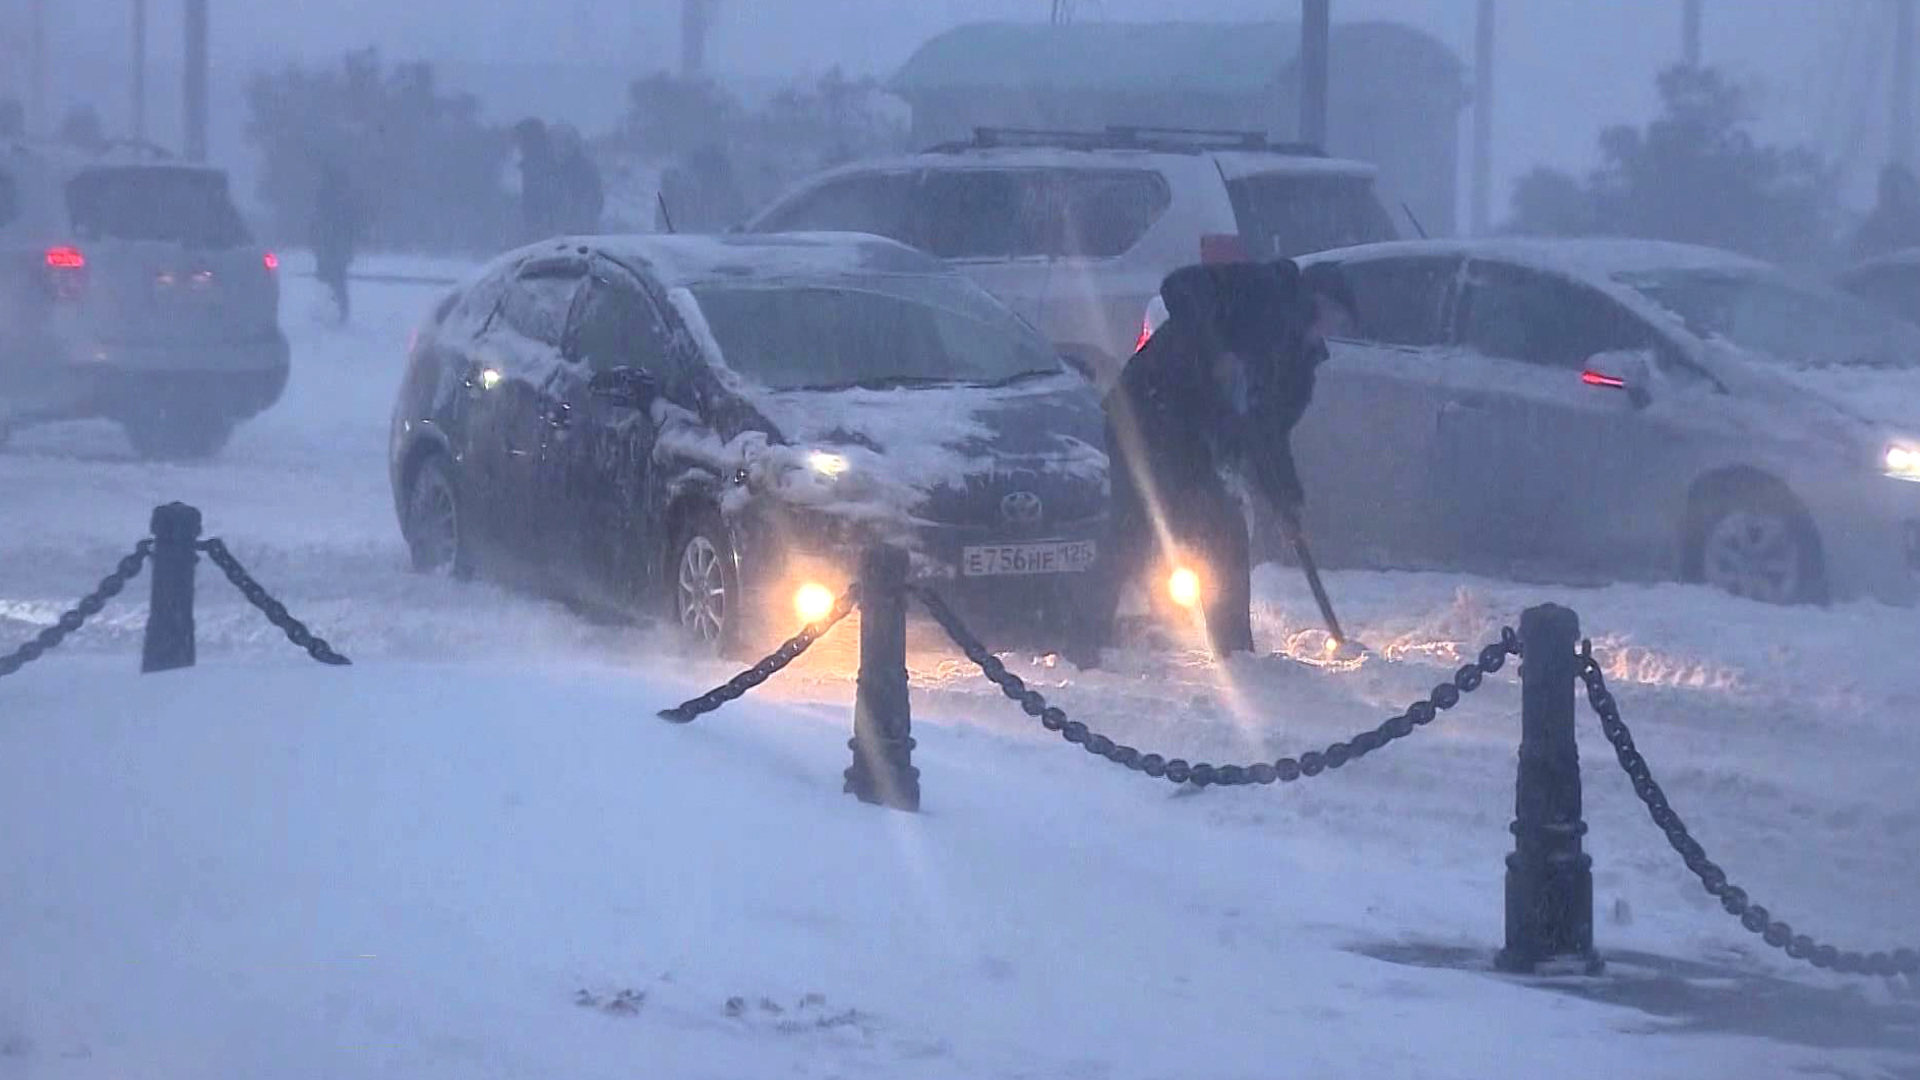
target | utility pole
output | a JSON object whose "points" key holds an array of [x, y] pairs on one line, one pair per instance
{"points": [[1480, 208], [1690, 32], [196, 81], [1900, 138], [139, 69], [696, 22], [41, 121], [1316, 28]]}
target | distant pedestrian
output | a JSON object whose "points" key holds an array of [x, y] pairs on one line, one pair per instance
{"points": [[542, 193], [1894, 224], [335, 234], [583, 197]]}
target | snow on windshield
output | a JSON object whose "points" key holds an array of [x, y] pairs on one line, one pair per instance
{"points": [[1804, 326], [892, 330]]}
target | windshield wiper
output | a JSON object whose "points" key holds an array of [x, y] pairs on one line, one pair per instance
{"points": [[880, 382]]}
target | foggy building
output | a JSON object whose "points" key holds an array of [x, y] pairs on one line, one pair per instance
{"points": [[1396, 93]]}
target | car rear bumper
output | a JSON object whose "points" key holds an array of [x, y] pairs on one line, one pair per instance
{"points": [[112, 379]]}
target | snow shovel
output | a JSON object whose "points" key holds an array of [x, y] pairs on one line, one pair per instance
{"points": [[1334, 634]]}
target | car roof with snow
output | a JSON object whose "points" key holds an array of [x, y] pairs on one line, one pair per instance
{"points": [[1597, 260], [1233, 162], [678, 261]]}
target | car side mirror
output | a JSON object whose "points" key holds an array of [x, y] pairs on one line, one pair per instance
{"points": [[1628, 372], [624, 387]]}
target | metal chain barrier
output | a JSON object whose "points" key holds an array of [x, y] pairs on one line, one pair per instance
{"points": [[688, 711], [1754, 917], [1285, 770], [274, 610], [89, 606]]}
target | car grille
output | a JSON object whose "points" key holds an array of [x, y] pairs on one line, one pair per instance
{"points": [[1016, 503]]}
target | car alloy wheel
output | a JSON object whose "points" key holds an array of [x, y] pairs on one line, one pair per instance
{"points": [[701, 590], [434, 525], [1756, 554]]}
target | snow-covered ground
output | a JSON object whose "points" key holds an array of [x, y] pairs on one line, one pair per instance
{"points": [[476, 854]]}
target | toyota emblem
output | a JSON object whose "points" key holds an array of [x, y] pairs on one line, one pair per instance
{"points": [[1021, 508]]}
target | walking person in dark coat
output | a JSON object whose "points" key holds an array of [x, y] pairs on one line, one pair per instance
{"points": [[542, 188], [335, 233], [1219, 386]]}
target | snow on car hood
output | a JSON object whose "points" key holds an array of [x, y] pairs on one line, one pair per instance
{"points": [[1841, 403]]}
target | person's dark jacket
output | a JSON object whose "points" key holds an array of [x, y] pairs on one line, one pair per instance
{"points": [[337, 224], [1176, 427]]}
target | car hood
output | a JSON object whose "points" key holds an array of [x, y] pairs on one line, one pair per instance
{"points": [[1843, 405], [934, 453]]}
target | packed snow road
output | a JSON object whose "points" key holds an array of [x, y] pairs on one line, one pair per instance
{"points": [[1786, 738]]}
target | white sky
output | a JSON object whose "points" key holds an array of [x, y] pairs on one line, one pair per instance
{"points": [[1565, 67]]}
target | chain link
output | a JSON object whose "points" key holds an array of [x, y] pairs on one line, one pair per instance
{"points": [[274, 610], [1285, 770], [1754, 917], [688, 711], [76, 617]]}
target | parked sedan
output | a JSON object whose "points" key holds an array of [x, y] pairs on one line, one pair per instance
{"points": [[713, 428], [1602, 410]]}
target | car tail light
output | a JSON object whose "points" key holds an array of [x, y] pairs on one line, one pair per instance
{"points": [[1222, 248], [1609, 382], [66, 272], [1146, 332], [270, 261]]}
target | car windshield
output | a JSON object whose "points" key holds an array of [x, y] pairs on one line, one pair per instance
{"points": [[1782, 320], [892, 330], [183, 206]]}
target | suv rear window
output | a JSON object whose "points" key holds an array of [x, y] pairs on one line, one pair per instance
{"points": [[182, 206], [1009, 213], [1284, 214]]}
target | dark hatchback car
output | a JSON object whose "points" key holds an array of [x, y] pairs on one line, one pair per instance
{"points": [[712, 428]]}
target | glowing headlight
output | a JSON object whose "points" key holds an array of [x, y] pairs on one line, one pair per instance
{"points": [[1902, 461], [813, 602], [1183, 585], [489, 378], [827, 464]]}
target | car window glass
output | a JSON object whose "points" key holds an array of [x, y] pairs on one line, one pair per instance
{"points": [[1100, 213], [615, 326], [870, 203], [1281, 214], [1536, 318], [183, 206], [1401, 301], [984, 213], [537, 305], [9, 200]]}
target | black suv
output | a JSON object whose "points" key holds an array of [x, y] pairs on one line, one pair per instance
{"points": [[713, 428]]}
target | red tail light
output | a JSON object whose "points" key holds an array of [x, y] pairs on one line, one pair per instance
{"points": [[66, 272], [1146, 333], [1222, 248], [1594, 378], [270, 261]]}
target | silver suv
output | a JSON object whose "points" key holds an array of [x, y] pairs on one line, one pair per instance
{"points": [[1075, 230], [130, 289]]}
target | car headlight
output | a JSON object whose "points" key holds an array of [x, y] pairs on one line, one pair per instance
{"points": [[826, 463], [1902, 461]]}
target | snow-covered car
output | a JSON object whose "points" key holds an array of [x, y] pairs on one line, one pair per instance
{"points": [[1596, 409], [130, 289], [1890, 282], [714, 428], [1075, 230]]}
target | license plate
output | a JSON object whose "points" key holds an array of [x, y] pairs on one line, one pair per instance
{"points": [[1050, 557]]}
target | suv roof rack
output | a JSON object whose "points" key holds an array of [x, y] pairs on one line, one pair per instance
{"points": [[110, 149], [1130, 137]]}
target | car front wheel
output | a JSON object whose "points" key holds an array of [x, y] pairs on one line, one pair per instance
{"points": [[435, 526], [1762, 550], [704, 586]]}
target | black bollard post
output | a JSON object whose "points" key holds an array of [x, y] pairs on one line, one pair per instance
{"points": [[169, 644], [1549, 876], [882, 772]]}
